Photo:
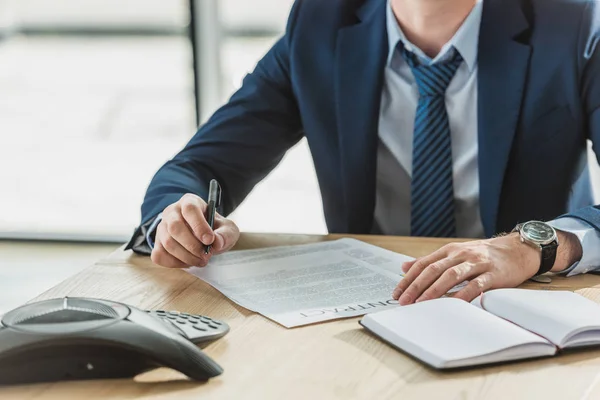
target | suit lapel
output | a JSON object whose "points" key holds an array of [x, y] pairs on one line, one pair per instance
{"points": [[360, 61], [503, 68]]}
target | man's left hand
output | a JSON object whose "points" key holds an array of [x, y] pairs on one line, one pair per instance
{"points": [[501, 262]]}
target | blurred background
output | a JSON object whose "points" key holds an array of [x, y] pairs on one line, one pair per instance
{"points": [[97, 95]]}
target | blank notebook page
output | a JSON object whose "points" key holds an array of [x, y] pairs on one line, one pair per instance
{"points": [[443, 330], [551, 314]]}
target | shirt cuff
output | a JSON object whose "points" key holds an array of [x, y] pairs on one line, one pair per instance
{"points": [[151, 233], [589, 238]]}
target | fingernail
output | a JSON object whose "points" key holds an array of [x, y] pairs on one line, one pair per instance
{"points": [[397, 293], [207, 238], [404, 300]]}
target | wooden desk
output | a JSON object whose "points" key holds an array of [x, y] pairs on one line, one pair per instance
{"points": [[336, 360]]}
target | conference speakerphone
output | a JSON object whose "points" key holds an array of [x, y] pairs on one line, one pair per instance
{"points": [[79, 338]]}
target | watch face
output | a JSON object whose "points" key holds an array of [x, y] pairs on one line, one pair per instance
{"points": [[539, 232]]}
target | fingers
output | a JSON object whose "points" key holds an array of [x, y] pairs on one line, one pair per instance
{"points": [[485, 264], [226, 235], [408, 265], [184, 233], [193, 211], [171, 245], [161, 257], [173, 226], [430, 274], [477, 286], [415, 270], [450, 278]]}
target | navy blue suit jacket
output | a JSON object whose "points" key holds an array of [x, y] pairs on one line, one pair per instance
{"points": [[539, 101]]}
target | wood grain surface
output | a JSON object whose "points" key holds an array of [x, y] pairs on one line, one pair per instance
{"points": [[335, 360]]}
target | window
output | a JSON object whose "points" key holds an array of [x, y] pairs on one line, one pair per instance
{"points": [[96, 98]]}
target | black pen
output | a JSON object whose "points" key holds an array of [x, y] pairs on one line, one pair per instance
{"points": [[214, 201]]}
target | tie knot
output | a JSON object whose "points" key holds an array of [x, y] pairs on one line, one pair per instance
{"points": [[433, 80]]}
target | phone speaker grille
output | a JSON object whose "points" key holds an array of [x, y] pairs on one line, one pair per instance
{"points": [[59, 311]]}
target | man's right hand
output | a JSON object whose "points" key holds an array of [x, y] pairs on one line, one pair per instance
{"points": [[183, 233]]}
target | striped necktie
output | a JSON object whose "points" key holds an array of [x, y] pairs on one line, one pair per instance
{"points": [[432, 189]]}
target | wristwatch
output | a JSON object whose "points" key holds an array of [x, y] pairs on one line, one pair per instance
{"points": [[541, 236]]}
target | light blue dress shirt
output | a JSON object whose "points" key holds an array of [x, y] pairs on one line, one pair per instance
{"points": [[399, 101], [152, 231]]}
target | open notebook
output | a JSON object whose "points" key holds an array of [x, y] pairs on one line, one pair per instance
{"points": [[501, 325]]}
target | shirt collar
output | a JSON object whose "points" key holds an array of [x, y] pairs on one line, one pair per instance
{"points": [[465, 41]]}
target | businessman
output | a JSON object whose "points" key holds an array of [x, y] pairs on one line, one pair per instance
{"points": [[441, 118]]}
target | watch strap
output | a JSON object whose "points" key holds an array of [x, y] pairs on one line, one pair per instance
{"points": [[548, 257]]}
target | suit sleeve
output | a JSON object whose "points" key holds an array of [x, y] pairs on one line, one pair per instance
{"points": [[589, 56], [585, 223], [241, 143]]}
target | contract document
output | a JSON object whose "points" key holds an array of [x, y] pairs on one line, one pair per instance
{"points": [[306, 284]]}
